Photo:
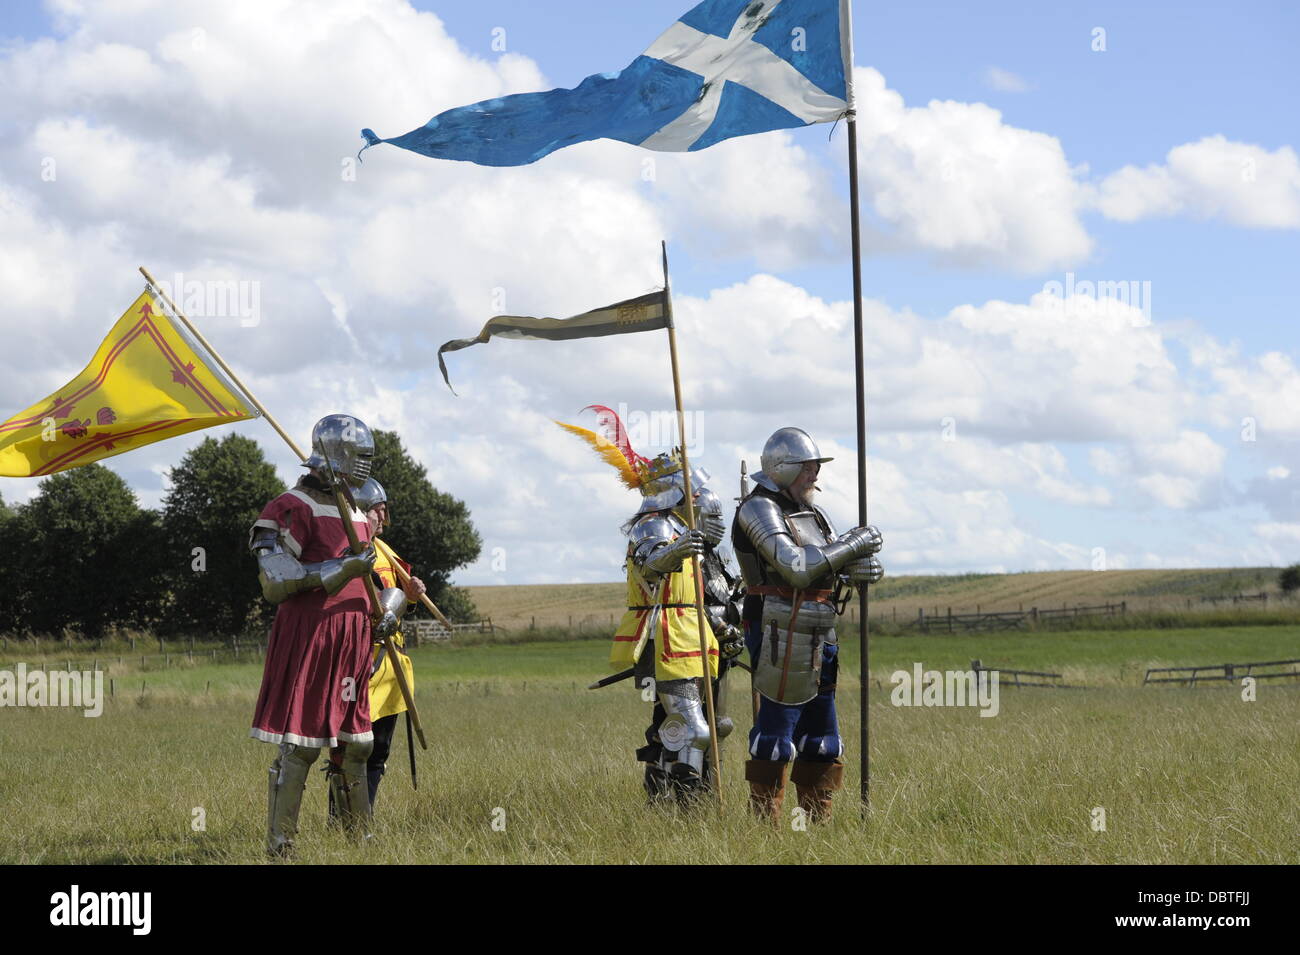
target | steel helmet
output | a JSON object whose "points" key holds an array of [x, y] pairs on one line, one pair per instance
{"points": [[784, 456], [342, 444]]}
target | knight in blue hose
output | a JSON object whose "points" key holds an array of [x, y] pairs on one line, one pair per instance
{"points": [[793, 565]]}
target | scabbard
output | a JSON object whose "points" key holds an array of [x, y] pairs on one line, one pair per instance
{"points": [[410, 749], [610, 680]]}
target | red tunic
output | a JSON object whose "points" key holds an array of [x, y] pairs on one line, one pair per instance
{"points": [[316, 682]]}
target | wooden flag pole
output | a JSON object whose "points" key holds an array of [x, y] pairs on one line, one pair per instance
{"points": [[864, 742], [343, 505], [216, 356], [706, 682], [403, 577]]}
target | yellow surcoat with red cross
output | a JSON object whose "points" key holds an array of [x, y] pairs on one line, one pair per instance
{"points": [[385, 695], [676, 637]]}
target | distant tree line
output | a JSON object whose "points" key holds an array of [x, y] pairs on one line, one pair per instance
{"points": [[1289, 580], [83, 556]]}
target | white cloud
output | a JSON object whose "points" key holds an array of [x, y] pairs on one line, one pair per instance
{"points": [[1004, 81], [1276, 490], [102, 174], [1178, 473], [1213, 178], [955, 179], [1276, 531], [1037, 468], [214, 143], [1259, 394], [759, 196]]}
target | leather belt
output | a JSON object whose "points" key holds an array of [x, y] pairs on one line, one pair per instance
{"points": [[768, 590], [665, 606]]}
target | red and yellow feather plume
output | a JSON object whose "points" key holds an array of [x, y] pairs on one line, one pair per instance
{"points": [[610, 453]]}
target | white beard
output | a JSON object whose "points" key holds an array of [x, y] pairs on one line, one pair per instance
{"points": [[806, 499]]}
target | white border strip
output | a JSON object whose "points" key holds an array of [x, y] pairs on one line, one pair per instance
{"points": [[295, 740]]}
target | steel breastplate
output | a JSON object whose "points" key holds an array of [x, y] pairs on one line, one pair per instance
{"points": [[789, 663]]}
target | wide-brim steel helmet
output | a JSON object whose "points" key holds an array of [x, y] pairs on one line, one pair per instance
{"points": [[343, 445], [784, 456]]}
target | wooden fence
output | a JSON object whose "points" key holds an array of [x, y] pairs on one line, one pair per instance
{"points": [[1262, 597], [1008, 619], [1223, 672], [1055, 678], [420, 632]]}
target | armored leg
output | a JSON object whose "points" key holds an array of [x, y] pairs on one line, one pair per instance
{"points": [[725, 723], [766, 778], [348, 784], [684, 734], [816, 784], [657, 786], [336, 787], [817, 770], [288, 778], [817, 733]]}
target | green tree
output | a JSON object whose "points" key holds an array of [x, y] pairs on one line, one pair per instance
{"points": [[88, 554], [1289, 579], [430, 529], [12, 552], [216, 493]]}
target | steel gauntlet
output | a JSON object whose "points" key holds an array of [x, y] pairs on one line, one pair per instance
{"points": [[392, 601], [666, 559], [333, 574], [859, 542], [864, 570]]}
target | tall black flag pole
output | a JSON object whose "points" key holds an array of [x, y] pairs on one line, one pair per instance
{"points": [[846, 22]]}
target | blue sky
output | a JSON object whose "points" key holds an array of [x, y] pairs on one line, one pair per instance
{"points": [[1171, 73], [1054, 459]]}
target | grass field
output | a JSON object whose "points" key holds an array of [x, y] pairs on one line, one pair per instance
{"points": [[592, 606], [1194, 776]]}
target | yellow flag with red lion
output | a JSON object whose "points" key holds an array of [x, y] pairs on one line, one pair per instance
{"points": [[147, 382]]}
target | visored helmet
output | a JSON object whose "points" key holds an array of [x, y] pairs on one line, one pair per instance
{"points": [[708, 514], [342, 444], [664, 485], [784, 456]]}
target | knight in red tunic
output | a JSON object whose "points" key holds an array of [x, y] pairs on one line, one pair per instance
{"points": [[316, 682]]}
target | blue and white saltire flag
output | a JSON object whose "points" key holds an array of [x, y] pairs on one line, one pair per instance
{"points": [[727, 68]]}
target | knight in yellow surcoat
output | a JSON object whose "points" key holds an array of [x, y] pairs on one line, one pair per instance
{"points": [[386, 700], [659, 635]]}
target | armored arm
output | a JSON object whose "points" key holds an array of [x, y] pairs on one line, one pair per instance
{"points": [[392, 600], [801, 566], [282, 575], [722, 597], [660, 544]]}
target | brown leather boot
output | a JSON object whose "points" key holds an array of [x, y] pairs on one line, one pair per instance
{"points": [[816, 783], [766, 788]]}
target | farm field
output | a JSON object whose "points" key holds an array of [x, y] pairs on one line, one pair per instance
{"points": [[590, 606], [1184, 775]]}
